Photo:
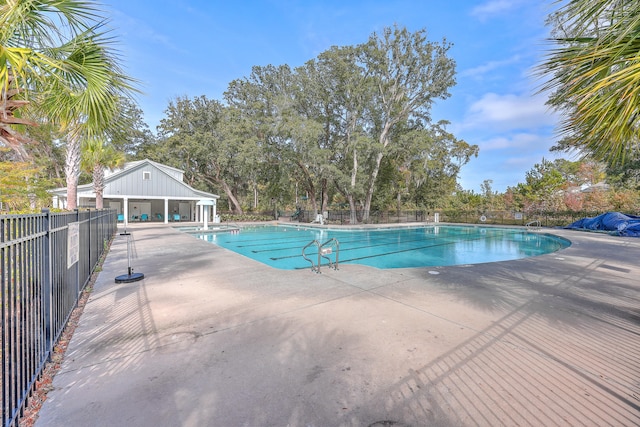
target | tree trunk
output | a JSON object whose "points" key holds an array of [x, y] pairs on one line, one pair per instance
{"points": [[309, 188], [216, 179], [72, 170], [353, 215], [372, 186], [324, 206], [98, 185], [237, 209], [384, 141], [233, 201], [255, 195]]}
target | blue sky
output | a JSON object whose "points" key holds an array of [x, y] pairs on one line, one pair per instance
{"points": [[196, 47]]}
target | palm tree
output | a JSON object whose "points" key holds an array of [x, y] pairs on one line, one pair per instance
{"points": [[89, 108], [594, 73], [27, 47], [56, 60], [96, 156], [9, 136]]}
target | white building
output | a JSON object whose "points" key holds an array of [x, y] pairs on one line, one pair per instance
{"points": [[145, 191]]}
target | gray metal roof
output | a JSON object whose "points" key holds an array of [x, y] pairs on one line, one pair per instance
{"points": [[144, 179]]}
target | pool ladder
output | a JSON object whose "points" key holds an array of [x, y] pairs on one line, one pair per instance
{"points": [[536, 224], [324, 250]]}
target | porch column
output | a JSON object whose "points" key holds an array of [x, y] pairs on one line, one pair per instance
{"points": [[166, 210]]}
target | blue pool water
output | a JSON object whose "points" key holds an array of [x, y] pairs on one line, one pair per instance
{"points": [[281, 246]]}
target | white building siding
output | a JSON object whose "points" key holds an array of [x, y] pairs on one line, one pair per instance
{"points": [[142, 181], [158, 184]]}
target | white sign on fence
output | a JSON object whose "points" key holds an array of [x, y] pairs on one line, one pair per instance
{"points": [[73, 243]]}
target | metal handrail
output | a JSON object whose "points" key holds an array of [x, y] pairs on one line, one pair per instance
{"points": [[536, 223], [232, 226], [314, 268], [324, 250], [327, 248]]}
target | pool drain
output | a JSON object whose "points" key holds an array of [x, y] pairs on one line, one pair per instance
{"points": [[387, 423]]}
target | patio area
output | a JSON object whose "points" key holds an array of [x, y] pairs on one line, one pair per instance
{"points": [[209, 337]]}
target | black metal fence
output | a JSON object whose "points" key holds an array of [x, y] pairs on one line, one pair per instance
{"points": [[46, 260], [342, 216], [546, 218]]}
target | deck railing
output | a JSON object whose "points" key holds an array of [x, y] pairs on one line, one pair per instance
{"points": [[46, 260]]}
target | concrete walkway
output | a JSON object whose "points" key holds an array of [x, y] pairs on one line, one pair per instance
{"points": [[210, 338]]}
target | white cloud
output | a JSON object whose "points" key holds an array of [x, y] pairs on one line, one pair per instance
{"points": [[492, 8], [483, 69], [518, 141], [509, 112]]}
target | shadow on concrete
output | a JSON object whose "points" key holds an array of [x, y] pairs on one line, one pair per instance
{"points": [[211, 338]]}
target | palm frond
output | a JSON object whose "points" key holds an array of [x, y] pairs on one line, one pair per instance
{"points": [[86, 84], [594, 76]]}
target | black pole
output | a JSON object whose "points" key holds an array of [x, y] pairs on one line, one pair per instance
{"points": [[130, 276]]}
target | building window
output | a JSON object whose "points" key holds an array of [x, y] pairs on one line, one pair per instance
{"points": [[146, 176]]}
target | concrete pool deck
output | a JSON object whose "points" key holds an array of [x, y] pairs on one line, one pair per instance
{"points": [[211, 338]]}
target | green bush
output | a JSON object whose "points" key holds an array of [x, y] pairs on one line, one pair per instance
{"points": [[245, 217]]}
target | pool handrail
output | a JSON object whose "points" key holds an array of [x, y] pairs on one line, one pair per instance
{"points": [[324, 250], [535, 223], [314, 268], [327, 248]]}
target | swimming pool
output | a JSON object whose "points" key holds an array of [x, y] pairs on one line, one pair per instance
{"points": [[281, 246]]}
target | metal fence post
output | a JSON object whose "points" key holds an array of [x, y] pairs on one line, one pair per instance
{"points": [[47, 287], [77, 211], [90, 240]]}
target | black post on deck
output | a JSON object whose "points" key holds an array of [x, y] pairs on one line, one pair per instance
{"points": [[130, 276]]}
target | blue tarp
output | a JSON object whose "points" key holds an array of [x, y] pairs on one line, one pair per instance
{"points": [[614, 222]]}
